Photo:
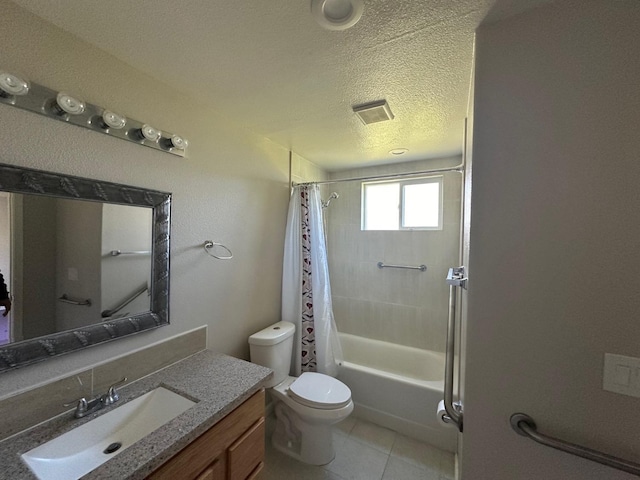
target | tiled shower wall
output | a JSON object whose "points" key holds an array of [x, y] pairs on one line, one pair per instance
{"points": [[406, 307]]}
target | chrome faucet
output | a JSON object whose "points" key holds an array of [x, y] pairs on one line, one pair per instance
{"points": [[85, 407]]}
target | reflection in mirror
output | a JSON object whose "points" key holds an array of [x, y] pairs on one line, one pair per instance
{"points": [[86, 261], [72, 263]]}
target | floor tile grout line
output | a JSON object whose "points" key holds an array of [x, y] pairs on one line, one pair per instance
{"points": [[395, 439], [386, 465], [374, 447], [363, 442], [441, 459]]}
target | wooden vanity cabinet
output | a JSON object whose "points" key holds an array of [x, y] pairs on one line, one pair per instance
{"points": [[233, 449]]}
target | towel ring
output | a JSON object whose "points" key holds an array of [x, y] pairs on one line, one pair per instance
{"points": [[208, 244]]}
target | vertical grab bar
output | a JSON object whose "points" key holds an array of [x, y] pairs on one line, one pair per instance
{"points": [[455, 278]]}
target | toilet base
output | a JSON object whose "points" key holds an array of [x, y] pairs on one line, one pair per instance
{"points": [[308, 443]]}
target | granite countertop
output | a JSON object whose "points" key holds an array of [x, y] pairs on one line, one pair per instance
{"points": [[217, 383]]}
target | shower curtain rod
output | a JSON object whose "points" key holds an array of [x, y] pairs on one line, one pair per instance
{"points": [[457, 168]]}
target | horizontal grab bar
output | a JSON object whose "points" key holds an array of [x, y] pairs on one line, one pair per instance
{"points": [[115, 253], [524, 425], [83, 303], [422, 268]]}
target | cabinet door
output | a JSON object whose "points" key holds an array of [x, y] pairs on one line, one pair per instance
{"points": [[255, 475], [247, 452], [215, 471], [196, 458]]}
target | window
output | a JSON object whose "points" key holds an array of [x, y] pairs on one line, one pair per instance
{"points": [[402, 205]]}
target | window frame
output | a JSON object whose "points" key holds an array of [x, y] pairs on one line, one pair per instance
{"points": [[439, 179]]}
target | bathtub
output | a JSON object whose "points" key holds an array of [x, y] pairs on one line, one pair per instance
{"points": [[396, 387]]}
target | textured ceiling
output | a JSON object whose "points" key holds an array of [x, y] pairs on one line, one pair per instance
{"points": [[266, 65]]}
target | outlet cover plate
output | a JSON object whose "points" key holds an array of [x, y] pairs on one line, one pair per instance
{"points": [[621, 374]]}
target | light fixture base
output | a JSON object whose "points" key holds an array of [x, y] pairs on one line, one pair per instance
{"points": [[337, 14], [60, 106], [398, 151]]}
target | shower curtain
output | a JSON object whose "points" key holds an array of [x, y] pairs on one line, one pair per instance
{"points": [[306, 292]]}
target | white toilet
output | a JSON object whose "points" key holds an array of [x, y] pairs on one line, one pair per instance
{"points": [[306, 407]]}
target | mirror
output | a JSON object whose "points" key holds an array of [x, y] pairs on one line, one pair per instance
{"points": [[72, 263], [86, 262]]}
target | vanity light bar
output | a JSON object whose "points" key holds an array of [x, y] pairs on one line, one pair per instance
{"points": [[36, 98]]}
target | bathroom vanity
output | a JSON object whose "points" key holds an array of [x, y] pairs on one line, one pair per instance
{"points": [[232, 449], [220, 437]]}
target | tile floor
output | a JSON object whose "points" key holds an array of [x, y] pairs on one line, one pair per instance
{"points": [[364, 451]]}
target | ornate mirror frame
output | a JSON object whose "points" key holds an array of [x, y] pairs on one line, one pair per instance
{"points": [[36, 182]]}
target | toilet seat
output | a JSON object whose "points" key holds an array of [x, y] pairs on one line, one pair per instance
{"points": [[317, 390]]}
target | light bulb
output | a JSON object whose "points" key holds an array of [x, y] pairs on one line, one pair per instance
{"points": [[150, 133], [12, 85], [68, 104], [176, 142], [113, 120]]}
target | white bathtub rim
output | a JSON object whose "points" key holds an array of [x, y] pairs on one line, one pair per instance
{"points": [[400, 359], [436, 385]]}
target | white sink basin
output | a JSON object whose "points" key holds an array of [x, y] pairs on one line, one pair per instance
{"points": [[77, 452]]}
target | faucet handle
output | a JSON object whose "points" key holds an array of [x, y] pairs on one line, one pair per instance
{"points": [[81, 405], [112, 394]]}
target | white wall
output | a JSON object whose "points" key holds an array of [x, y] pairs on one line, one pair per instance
{"points": [[232, 187], [37, 301], [128, 229], [303, 170], [5, 263], [78, 266], [554, 251]]}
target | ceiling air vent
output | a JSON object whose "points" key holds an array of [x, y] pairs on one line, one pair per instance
{"points": [[373, 112]]}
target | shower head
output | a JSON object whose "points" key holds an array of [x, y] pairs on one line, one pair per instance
{"points": [[326, 202]]}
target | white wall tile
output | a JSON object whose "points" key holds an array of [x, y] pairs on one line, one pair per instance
{"points": [[401, 306]]}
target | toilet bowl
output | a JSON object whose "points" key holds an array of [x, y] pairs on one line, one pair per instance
{"points": [[306, 407], [304, 431]]}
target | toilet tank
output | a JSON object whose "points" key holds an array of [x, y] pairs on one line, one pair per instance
{"points": [[272, 347]]}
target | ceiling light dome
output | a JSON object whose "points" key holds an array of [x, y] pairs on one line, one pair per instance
{"points": [[337, 14]]}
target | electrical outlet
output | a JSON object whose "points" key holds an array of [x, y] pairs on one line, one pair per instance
{"points": [[621, 374]]}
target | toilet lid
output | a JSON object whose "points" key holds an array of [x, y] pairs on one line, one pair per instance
{"points": [[319, 391]]}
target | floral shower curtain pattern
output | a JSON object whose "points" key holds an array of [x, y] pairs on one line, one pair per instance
{"points": [[306, 291]]}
